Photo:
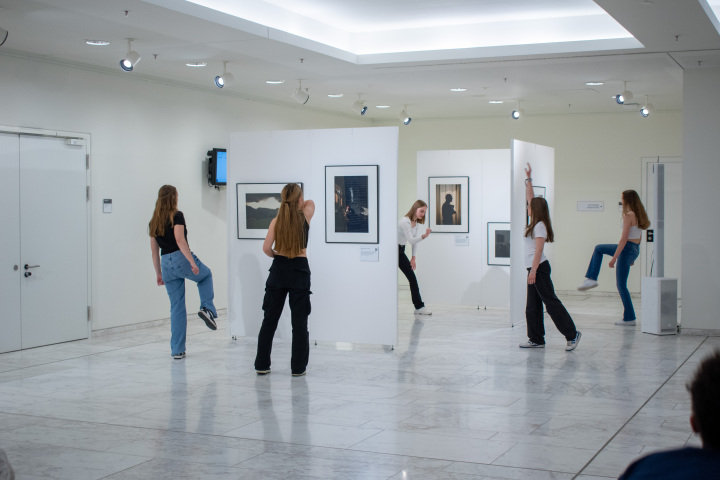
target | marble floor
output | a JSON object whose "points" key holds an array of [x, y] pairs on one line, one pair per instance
{"points": [[455, 399]]}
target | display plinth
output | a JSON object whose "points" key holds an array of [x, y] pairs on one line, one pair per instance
{"points": [[659, 305]]}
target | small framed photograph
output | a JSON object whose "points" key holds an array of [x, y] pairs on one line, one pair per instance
{"points": [[448, 207], [351, 204], [257, 205], [498, 243]]}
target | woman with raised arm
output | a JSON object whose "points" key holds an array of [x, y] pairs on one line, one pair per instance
{"points": [[174, 262], [409, 232], [624, 253], [540, 287], [286, 243]]}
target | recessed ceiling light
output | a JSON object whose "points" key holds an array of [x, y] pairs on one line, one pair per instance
{"points": [[458, 89], [100, 43], [591, 84], [335, 95], [495, 101], [382, 106], [196, 64], [274, 82]]}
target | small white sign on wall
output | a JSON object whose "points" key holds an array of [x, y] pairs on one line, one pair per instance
{"points": [[590, 206], [462, 240], [369, 254]]}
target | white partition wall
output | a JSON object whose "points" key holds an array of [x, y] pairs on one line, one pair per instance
{"points": [[542, 160], [353, 300], [449, 270]]}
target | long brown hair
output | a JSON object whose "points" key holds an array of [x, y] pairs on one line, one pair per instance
{"points": [[539, 213], [289, 231], [165, 209], [413, 209], [632, 203]]}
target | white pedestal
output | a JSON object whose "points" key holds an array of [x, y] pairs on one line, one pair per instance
{"points": [[659, 305]]}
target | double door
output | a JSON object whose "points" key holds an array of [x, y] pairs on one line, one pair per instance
{"points": [[44, 241]]}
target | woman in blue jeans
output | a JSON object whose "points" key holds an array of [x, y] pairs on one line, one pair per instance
{"points": [[624, 253], [174, 262]]}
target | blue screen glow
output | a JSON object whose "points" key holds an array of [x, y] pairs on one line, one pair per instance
{"points": [[221, 174]]}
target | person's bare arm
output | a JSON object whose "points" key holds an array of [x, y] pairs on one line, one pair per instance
{"points": [[179, 231], [269, 240]]}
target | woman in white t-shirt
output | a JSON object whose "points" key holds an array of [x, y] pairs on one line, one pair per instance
{"points": [[540, 287], [408, 232]]}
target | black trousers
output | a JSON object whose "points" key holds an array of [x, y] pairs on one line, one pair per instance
{"points": [[542, 291], [288, 276], [406, 268]]}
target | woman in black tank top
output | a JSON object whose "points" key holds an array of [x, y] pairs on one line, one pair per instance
{"points": [[286, 243]]}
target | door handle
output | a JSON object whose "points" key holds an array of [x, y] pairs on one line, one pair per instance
{"points": [[27, 267], [27, 274]]}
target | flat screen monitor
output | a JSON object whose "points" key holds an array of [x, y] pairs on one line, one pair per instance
{"points": [[217, 166]]}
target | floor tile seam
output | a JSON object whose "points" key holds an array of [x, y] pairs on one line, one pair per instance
{"points": [[128, 468], [640, 409]]}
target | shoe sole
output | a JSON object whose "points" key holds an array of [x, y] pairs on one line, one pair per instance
{"points": [[584, 289], [418, 313], [570, 348], [262, 372], [208, 319], [179, 357], [299, 374], [532, 346]]}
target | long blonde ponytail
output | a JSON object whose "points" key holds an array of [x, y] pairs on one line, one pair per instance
{"points": [[165, 208], [289, 232]]}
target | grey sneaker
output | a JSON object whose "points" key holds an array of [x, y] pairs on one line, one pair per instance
{"points": [[587, 284], [572, 344], [208, 318], [626, 323], [531, 344], [422, 311]]}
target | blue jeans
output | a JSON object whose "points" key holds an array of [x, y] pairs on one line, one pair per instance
{"points": [[622, 269], [175, 269]]}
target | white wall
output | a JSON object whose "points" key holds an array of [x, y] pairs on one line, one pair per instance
{"points": [[701, 173], [143, 134], [596, 158], [460, 275], [353, 301]]}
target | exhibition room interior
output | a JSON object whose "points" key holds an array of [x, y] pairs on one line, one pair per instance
{"points": [[407, 93]]}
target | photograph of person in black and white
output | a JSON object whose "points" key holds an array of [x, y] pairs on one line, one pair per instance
{"points": [[502, 243], [448, 197], [351, 204]]}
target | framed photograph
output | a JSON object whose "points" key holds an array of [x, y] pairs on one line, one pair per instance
{"points": [[498, 243], [448, 207], [351, 204], [537, 192], [257, 205]]}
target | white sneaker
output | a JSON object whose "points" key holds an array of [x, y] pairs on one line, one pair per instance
{"points": [[531, 344], [572, 344], [628, 323], [422, 311], [587, 285]]}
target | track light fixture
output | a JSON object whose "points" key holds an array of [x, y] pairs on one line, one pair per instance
{"points": [[224, 79], [299, 95], [518, 113], [646, 109], [359, 107], [404, 117], [131, 59], [625, 96], [3, 36]]}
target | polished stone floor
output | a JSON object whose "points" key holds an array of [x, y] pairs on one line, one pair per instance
{"points": [[456, 399]]}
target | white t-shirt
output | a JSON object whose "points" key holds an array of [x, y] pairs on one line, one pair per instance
{"points": [[409, 234], [539, 231]]}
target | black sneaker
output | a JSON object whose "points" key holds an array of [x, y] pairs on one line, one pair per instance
{"points": [[179, 356], [208, 318], [299, 374], [262, 372]]}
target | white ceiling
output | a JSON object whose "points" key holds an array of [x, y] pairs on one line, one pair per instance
{"points": [[545, 78]]}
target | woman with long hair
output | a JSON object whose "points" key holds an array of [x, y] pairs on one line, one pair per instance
{"points": [[624, 253], [174, 262], [286, 243], [408, 232], [540, 287]]}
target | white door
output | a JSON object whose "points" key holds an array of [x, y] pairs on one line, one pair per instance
{"points": [[673, 216], [53, 239], [10, 319]]}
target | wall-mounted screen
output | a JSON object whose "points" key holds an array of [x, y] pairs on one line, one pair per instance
{"points": [[217, 166]]}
